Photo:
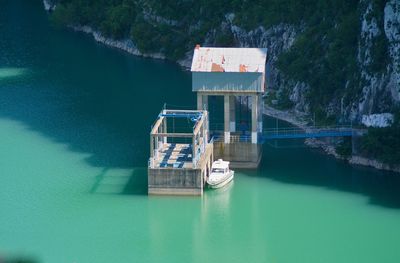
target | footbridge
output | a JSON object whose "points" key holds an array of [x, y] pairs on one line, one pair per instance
{"points": [[287, 133]]}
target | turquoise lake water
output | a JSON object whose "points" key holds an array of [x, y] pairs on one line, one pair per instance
{"points": [[74, 122]]}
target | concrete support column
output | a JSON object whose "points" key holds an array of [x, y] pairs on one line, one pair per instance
{"points": [[194, 151], [232, 111], [151, 146], [227, 134], [158, 141], [165, 130], [202, 137], [206, 128], [205, 102], [202, 101], [254, 118], [151, 152], [260, 113], [199, 101]]}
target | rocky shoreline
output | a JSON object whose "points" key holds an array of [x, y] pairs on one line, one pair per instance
{"points": [[129, 46], [298, 119], [125, 45]]}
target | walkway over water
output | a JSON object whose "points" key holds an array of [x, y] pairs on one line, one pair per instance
{"points": [[289, 133], [309, 132]]}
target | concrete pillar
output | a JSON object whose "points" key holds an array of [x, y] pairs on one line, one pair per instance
{"points": [[254, 118], [227, 134], [205, 102], [202, 137], [202, 101], [260, 113], [199, 101], [194, 151], [165, 130], [232, 113], [151, 147], [206, 127]]}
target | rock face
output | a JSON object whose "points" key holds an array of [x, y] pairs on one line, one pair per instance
{"points": [[377, 120], [276, 39], [49, 5], [380, 90], [392, 32]]}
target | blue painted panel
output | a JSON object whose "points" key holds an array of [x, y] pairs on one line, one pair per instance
{"points": [[227, 81]]}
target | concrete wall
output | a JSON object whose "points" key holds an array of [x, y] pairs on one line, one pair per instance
{"points": [[227, 81], [175, 181], [244, 155], [181, 181]]}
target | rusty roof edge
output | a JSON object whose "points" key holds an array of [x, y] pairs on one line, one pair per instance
{"points": [[242, 66]]}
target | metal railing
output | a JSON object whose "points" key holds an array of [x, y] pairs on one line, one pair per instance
{"points": [[308, 132], [220, 127], [233, 138], [151, 162], [288, 133]]}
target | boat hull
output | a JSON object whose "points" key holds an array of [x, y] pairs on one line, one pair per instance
{"points": [[223, 182]]}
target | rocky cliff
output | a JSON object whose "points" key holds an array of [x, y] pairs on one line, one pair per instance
{"points": [[380, 89], [379, 82]]}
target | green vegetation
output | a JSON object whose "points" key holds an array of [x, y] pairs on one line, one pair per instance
{"points": [[283, 100], [325, 55], [192, 20], [379, 54], [379, 49], [344, 148], [383, 143], [169, 27]]}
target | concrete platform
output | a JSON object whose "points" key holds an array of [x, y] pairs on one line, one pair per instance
{"points": [[174, 155]]}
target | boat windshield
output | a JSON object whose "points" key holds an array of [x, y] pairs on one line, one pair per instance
{"points": [[217, 170]]}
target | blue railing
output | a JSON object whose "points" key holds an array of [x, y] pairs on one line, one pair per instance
{"points": [[233, 138], [309, 132], [286, 133]]}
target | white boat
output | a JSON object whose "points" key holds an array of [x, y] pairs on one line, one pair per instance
{"points": [[220, 174]]}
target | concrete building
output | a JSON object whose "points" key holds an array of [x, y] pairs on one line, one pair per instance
{"points": [[232, 72]]}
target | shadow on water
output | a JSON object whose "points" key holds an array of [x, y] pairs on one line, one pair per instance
{"points": [[19, 259], [96, 100], [134, 183], [304, 166]]}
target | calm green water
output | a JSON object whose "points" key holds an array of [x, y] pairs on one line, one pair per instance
{"points": [[74, 120]]}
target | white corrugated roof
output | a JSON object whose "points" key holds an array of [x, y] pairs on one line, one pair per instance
{"points": [[211, 59]]}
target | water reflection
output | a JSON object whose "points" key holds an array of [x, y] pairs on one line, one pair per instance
{"points": [[8, 73], [217, 199]]}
